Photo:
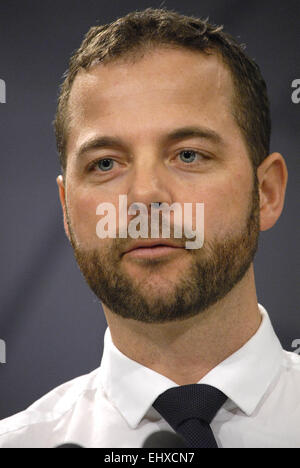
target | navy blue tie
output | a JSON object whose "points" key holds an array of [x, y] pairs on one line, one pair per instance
{"points": [[189, 410]]}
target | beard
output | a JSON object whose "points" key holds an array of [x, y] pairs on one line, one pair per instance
{"points": [[212, 273]]}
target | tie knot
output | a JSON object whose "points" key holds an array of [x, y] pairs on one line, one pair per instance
{"points": [[198, 401]]}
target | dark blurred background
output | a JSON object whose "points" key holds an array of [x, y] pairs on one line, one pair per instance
{"points": [[52, 323]]}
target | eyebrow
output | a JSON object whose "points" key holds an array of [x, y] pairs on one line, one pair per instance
{"points": [[106, 141]]}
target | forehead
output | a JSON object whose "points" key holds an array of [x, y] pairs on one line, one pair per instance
{"points": [[165, 85]]}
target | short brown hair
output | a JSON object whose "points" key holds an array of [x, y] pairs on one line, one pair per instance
{"points": [[140, 31]]}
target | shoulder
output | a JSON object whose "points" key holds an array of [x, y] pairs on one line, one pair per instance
{"points": [[48, 412]]}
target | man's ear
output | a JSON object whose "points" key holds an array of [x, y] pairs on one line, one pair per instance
{"points": [[62, 197], [272, 175]]}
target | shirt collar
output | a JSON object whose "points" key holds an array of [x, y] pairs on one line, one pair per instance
{"points": [[244, 376]]}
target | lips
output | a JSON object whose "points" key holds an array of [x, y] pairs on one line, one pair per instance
{"points": [[153, 250], [152, 245]]}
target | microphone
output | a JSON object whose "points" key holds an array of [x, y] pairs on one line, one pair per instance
{"points": [[164, 439], [69, 445], [160, 439]]}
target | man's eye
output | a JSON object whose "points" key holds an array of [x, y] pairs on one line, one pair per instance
{"points": [[189, 156], [104, 164]]}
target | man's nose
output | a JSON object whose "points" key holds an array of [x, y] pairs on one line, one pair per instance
{"points": [[149, 184]]}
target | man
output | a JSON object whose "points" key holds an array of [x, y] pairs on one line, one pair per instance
{"points": [[165, 109]]}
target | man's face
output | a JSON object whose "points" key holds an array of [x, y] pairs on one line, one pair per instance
{"points": [[141, 104]]}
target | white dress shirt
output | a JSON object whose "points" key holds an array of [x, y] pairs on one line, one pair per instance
{"points": [[112, 406]]}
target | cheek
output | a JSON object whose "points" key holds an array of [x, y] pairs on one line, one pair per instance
{"points": [[226, 205], [82, 207]]}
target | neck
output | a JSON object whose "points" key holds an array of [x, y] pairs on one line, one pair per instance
{"points": [[185, 351]]}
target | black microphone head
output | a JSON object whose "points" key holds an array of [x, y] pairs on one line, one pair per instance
{"points": [[164, 439], [69, 445]]}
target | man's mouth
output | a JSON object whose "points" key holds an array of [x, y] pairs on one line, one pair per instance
{"points": [[153, 249]]}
